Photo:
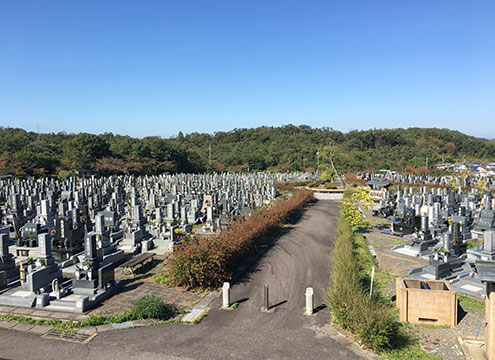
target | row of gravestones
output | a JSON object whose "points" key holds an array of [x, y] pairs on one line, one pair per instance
{"points": [[74, 227], [39, 284], [134, 208], [438, 223], [465, 181]]}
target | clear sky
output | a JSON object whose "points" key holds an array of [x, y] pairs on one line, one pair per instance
{"points": [[159, 67]]}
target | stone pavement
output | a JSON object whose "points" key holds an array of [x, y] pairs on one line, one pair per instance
{"points": [[41, 314]]}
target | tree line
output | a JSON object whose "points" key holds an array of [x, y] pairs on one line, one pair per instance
{"points": [[283, 148]]}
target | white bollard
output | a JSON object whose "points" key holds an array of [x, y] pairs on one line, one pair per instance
{"points": [[226, 294], [309, 301]]}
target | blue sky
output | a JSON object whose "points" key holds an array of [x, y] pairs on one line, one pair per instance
{"points": [[159, 67]]}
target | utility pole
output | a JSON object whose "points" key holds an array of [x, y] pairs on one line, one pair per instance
{"points": [[318, 161]]}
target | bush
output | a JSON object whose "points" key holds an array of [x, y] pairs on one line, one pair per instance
{"points": [[206, 262], [372, 321], [147, 307], [152, 307]]}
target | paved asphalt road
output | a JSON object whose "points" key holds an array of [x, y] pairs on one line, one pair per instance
{"points": [[299, 259]]}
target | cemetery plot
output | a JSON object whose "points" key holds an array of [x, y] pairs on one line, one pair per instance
{"points": [[61, 240], [438, 224]]}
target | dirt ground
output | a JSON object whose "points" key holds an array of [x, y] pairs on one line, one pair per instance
{"points": [[142, 284]]}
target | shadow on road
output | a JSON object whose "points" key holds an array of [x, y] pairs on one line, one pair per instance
{"points": [[251, 264], [318, 308], [241, 300], [277, 304]]}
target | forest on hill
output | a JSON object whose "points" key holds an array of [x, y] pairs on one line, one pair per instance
{"points": [[265, 148]]}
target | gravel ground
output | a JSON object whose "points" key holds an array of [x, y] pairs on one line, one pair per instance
{"points": [[442, 342]]}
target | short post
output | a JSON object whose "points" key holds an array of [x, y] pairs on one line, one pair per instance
{"points": [[372, 278], [310, 301], [226, 294], [266, 301], [22, 273]]}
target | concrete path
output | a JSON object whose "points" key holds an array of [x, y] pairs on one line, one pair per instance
{"points": [[299, 259]]}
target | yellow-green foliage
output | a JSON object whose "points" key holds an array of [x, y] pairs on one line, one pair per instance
{"points": [[455, 185], [350, 209], [362, 196]]}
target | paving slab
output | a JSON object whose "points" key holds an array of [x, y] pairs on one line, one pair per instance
{"points": [[23, 311], [77, 317], [61, 315], [40, 329], [103, 328], [6, 309], [42, 313], [193, 315], [89, 330], [7, 324], [472, 349], [142, 322], [22, 327]]}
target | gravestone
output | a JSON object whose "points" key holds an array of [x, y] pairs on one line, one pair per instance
{"points": [[41, 277], [8, 269]]}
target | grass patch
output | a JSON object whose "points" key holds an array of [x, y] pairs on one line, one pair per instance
{"points": [[405, 346], [468, 303], [428, 326], [234, 305], [410, 352], [366, 261]]}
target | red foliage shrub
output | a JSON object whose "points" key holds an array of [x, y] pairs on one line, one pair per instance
{"points": [[206, 262]]}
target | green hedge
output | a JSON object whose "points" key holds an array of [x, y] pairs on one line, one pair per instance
{"points": [[372, 321]]}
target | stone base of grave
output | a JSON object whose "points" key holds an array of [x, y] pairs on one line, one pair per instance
{"points": [[62, 255], [80, 303], [19, 298], [84, 287], [116, 236], [162, 247], [469, 285], [414, 251]]}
